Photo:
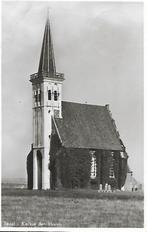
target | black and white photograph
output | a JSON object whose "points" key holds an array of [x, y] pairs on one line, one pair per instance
{"points": [[72, 114]]}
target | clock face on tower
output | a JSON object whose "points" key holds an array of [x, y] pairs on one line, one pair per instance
{"points": [[56, 113]]}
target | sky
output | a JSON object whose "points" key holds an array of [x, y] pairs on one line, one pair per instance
{"points": [[99, 48]]}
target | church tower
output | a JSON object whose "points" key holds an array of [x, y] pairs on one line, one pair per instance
{"points": [[46, 101]]}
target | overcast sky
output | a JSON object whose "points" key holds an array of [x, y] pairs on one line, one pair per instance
{"points": [[99, 48]]}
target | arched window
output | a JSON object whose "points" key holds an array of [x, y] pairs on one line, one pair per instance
{"points": [[49, 94], [111, 169], [55, 95], [93, 165]]}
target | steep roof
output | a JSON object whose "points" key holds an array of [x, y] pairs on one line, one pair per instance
{"points": [[87, 126], [47, 60]]}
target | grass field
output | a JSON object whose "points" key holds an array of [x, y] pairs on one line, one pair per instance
{"points": [[72, 208]]}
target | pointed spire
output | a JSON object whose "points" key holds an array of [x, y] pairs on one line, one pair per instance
{"points": [[47, 60]]}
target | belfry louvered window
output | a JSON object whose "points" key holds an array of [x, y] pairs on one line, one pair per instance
{"points": [[49, 94], [55, 95], [93, 165], [111, 169]]}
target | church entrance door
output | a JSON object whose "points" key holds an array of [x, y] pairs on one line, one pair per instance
{"points": [[39, 167]]}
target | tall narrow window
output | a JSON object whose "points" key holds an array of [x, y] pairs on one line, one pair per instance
{"points": [[55, 95], [111, 169], [93, 165], [49, 94], [35, 96], [39, 95]]}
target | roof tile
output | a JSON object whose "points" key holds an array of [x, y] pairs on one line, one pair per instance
{"points": [[87, 126]]}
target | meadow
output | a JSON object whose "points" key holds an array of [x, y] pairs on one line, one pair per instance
{"points": [[71, 208]]}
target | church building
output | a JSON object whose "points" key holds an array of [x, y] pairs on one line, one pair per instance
{"points": [[75, 145]]}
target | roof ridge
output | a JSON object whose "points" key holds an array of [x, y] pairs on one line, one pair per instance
{"points": [[80, 103]]}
